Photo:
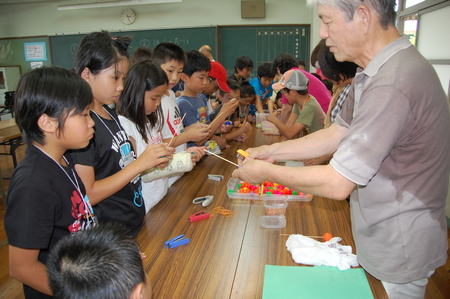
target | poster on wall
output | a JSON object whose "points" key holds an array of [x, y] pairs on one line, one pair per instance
{"points": [[35, 51]]}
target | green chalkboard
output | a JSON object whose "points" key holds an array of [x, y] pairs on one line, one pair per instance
{"points": [[262, 44], [12, 52], [63, 47]]}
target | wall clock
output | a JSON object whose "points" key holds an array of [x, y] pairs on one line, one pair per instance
{"points": [[128, 16]]}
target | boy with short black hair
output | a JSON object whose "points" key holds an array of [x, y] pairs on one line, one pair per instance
{"points": [[193, 102], [47, 199], [233, 95], [172, 59], [306, 111], [263, 85], [141, 53], [243, 67], [107, 255]]}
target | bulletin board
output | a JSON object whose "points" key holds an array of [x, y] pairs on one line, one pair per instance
{"points": [[64, 47], [262, 43], [25, 51]]}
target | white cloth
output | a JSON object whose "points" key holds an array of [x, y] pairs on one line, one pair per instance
{"points": [[181, 163], [308, 251]]}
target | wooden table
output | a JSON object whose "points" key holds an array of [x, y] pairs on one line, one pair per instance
{"points": [[226, 256], [9, 128], [9, 131]]}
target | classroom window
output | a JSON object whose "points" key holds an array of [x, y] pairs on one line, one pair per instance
{"points": [[410, 27], [410, 3], [426, 24]]}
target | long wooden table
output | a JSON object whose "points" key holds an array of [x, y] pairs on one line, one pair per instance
{"points": [[226, 256], [9, 131]]}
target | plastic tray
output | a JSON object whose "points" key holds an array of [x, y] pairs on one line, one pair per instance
{"points": [[232, 193]]}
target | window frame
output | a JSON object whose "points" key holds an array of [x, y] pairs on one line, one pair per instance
{"points": [[420, 9]]}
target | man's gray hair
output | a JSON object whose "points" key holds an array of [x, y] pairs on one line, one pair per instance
{"points": [[385, 8]]}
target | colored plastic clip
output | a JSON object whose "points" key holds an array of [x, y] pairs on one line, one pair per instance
{"points": [[177, 241], [204, 200], [242, 154], [199, 216], [215, 177]]}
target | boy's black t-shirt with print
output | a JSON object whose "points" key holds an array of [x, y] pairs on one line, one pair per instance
{"points": [[43, 206]]}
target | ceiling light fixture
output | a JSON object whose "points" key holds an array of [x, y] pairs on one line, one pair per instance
{"points": [[112, 4]]}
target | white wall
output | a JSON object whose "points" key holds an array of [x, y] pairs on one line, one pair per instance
{"points": [[434, 43], [434, 40], [43, 19]]}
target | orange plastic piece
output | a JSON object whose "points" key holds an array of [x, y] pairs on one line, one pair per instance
{"points": [[327, 236]]}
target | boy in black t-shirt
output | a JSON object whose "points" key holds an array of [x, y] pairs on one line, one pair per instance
{"points": [[243, 67], [46, 199]]}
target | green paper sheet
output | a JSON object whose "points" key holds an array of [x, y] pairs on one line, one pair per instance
{"points": [[321, 282]]}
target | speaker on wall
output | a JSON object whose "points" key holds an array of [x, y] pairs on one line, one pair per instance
{"points": [[253, 9]]}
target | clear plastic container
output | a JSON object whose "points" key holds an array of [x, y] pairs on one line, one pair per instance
{"points": [[269, 128], [276, 221], [275, 206], [233, 192], [260, 117]]}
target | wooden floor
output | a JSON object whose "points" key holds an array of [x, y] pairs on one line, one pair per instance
{"points": [[438, 286]]}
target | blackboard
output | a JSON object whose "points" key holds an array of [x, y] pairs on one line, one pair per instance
{"points": [[262, 44], [12, 51], [63, 47]]}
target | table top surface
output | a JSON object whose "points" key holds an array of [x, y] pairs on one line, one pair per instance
{"points": [[9, 129], [8, 123], [226, 256]]}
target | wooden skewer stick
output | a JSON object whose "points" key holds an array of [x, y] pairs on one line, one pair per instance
{"points": [[221, 158], [215, 118], [176, 130], [321, 237], [325, 237]]}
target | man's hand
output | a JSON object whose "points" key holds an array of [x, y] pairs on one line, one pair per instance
{"points": [[252, 171], [258, 153]]}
